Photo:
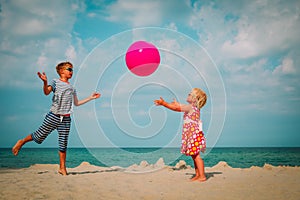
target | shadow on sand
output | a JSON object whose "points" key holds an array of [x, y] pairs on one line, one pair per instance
{"points": [[207, 174]]}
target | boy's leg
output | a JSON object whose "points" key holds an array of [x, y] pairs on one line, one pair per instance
{"points": [[20, 143], [63, 134], [49, 124], [62, 163]]}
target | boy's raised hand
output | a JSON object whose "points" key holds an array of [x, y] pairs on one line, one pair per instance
{"points": [[95, 95], [42, 76]]}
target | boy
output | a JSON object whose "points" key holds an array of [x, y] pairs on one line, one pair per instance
{"points": [[59, 116]]}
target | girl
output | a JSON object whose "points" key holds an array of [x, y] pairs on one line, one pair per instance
{"points": [[193, 140]]}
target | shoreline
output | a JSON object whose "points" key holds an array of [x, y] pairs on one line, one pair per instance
{"points": [[235, 157], [150, 181]]}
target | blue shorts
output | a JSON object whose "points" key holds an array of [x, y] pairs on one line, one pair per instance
{"points": [[51, 122]]}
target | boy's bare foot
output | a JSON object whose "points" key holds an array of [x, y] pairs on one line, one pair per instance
{"points": [[63, 172], [17, 147]]}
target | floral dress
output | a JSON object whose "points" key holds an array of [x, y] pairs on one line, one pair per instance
{"points": [[193, 140]]}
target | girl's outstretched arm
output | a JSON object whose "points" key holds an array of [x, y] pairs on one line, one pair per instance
{"points": [[175, 106]]}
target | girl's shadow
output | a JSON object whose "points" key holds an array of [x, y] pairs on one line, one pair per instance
{"points": [[207, 174]]}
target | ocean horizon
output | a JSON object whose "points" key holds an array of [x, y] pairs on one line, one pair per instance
{"points": [[237, 157]]}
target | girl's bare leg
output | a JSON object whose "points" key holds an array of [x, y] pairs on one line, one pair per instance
{"points": [[196, 171], [20, 143], [62, 163], [199, 168]]}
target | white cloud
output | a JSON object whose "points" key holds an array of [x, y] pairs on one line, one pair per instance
{"points": [[246, 30], [256, 87], [261, 34], [249, 28], [172, 26], [35, 35], [286, 67], [135, 12], [92, 14], [148, 13], [42, 60], [71, 53], [33, 18], [247, 39]]}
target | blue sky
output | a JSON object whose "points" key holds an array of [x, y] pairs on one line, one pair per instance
{"points": [[244, 54]]}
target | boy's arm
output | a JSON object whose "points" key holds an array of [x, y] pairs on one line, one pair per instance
{"points": [[77, 102], [46, 88]]}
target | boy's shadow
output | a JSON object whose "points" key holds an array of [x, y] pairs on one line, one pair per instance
{"points": [[207, 174], [92, 171], [84, 172]]}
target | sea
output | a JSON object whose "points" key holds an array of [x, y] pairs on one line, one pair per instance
{"points": [[240, 157]]}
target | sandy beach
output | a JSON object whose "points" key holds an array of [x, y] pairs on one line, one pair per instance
{"points": [[150, 181]]}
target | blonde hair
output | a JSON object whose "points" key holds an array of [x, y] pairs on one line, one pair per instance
{"points": [[63, 65], [199, 96]]}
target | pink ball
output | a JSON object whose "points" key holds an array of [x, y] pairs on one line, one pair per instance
{"points": [[142, 58]]}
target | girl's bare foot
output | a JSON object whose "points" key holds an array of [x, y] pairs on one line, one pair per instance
{"points": [[194, 178], [202, 179], [197, 178], [17, 147]]}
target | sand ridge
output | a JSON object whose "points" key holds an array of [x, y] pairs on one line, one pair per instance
{"points": [[150, 181]]}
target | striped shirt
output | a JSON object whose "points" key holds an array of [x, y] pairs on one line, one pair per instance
{"points": [[62, 101]]}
